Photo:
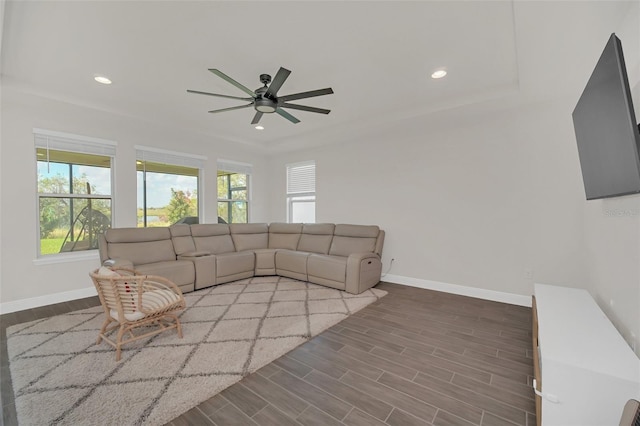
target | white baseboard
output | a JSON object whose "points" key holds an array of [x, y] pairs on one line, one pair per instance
{"points": [[35, 302], [478, 293]]}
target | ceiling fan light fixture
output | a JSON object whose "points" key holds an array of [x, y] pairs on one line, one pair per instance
{"points": [[265, 105], [265, 108], [259, 127], [438, 74]]}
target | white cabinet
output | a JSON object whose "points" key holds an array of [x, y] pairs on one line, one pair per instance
{"points": [[587, 372]]}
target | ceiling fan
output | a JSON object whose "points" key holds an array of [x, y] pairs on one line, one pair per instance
{"points": [[265, 100]]}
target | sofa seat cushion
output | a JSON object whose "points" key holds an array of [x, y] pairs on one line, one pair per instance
{"points": [[234, 263], [181, 272], [332, 268]]}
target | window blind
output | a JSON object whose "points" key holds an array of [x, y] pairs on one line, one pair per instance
{"points": [[301, 178], [235, 167], [73, 143], [155, 155]]}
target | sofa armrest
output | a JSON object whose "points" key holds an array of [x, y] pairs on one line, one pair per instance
{"points": [[363, 272], [118, 263], [205, 268]]}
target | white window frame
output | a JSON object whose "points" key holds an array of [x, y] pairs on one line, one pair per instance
{"points": [[240, 168], [163, 156], [61, 141], [300, 185]]}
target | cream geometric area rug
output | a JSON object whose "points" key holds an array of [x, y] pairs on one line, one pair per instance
{"points": [[60, 376]]}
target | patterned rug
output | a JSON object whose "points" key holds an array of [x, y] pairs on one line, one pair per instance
{"points": [[60, 375]]}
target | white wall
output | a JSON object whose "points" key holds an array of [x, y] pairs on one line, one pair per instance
{"points": [[480, 203], [21, 278], [472, 204]]}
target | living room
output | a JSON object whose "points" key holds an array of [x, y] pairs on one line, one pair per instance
{"points": [[478, 187]]}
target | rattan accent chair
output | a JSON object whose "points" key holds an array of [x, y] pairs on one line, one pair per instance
{"points": [[631, 413], [131, 301]]}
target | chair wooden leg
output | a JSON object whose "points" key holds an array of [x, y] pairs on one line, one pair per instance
{"points": [[178, 325], [103, 329], [119, 342]]}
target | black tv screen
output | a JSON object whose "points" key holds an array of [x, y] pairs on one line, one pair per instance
{"points": [[606, 129]]}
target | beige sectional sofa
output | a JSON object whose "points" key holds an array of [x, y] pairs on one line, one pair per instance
{"points": [[346, 257]]}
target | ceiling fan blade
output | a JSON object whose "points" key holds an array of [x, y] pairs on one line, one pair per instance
{"points": [[257, 117], [232, 81], [277, 82], [197, 92], [288, 116], [305, 108], [302, 95], [231, 108]]}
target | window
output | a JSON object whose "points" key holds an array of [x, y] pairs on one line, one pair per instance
{"points": [[233, 192], [74, 175], [301, 192], [167, 187]]}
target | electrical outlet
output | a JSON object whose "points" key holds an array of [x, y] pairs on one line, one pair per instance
{"points": [[390, 265]]}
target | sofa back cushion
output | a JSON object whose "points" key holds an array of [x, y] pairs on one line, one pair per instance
{"points": [[316, 237], [249, 236], [349, 239], [284, 235], [212, 237], [140, 245], [379, 243], [181, 239]]}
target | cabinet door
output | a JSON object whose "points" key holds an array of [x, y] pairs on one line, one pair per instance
{"points": [[536, 362]]}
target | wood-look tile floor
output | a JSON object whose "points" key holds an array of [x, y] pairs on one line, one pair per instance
{"points": [[415, 357]]}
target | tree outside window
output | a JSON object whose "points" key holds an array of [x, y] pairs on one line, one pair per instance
{"points": [[166, 193], [74, 200], [233, 200]]}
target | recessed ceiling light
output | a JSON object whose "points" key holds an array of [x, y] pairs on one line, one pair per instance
{"points": [[438, 74], [259, 128], [102, 79]]}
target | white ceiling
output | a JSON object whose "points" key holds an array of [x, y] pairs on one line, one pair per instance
{"points": [[377, 56]]}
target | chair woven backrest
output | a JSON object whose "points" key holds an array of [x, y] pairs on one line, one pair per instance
{"points": [[128, 293], [117, 292]]}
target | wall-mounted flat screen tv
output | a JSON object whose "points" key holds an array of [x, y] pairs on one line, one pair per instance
{"points": [[606, 129]]}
